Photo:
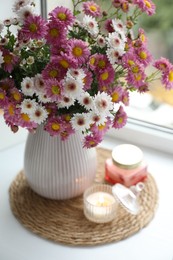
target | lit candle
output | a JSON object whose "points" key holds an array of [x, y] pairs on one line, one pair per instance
{"points": [[99, 204]]}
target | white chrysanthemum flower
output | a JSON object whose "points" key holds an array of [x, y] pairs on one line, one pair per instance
{"points": [[119, 26], [1, 58], [114, 55], [98, 119], [1, 26], [91, 25], [28, 106], [43, 98], [78, 74], [80, 122], [86, 100], [39, 83], [103, 103], [20, 3], [114, 41], [27, 86], [101, 41], [72, 87], [66, 102], [39, 115], [24, 12]]}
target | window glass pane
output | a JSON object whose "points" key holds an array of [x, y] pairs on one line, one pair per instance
{"points": [[156, 106]]}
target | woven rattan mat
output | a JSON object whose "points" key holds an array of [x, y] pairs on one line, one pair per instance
{"points": [[64, 221]]}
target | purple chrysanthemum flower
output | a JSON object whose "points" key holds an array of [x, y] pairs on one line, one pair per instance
{"points": [[162, 64], [34, 27], [10, 60], [167, 78], [146, 6], [92, 140], [106, 76], [54, 89], [53, 70], [91, 8], [63, 16], [120, 118], [79, 50], [56, 33]]}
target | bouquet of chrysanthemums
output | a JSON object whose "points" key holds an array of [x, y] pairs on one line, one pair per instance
{"points": [[74, 71]]}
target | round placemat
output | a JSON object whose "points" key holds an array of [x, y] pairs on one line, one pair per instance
{"points": [[64, 221]]}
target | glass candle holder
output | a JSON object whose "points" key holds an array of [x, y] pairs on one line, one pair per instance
{"points": [[100, 205], [126, 165]]}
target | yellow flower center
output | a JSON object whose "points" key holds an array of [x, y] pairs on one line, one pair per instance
{"points": [[7, 58], [92, 61], [55, 126], [64, 64], [142, 37], [53, 73], [104, 75], [67, 118], [54, 32], [143, 55], [33, 27], [11, 110], [62, 16], [147, 3], [120, 120], [115, 97], [93, 8], [135, 69], [2, 96], [91, 143], [101, 64], [101, 127], [55, 90], [25, 117], [16, 96], [171, 76], [131, 63], [138, 77], [77, 51]]}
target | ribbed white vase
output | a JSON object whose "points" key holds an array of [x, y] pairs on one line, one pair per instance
{"points": [[58, 169]]}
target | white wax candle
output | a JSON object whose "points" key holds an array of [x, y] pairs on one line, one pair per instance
{"points": [[100, 204]]}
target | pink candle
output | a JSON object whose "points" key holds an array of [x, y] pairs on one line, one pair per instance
{"points": [[126, 165]]}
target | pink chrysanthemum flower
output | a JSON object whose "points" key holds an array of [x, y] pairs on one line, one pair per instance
{"points": [[56, 33], [54, 89], [116, 94], [34, 28], [92, 140], [136, 79], [54, 126], [7, 84], [120, 118], [91, 8], [79, 50], [142, 36], [53, 70], [11, 114], [167, 78], [162, 64], [16, 95], [146, 6], [3, 99], [125, 97], [63, 16], [10, 60], [101, 128], [144, 56], [65, 61], [106, 76], [87, 80], [26, 122]]}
